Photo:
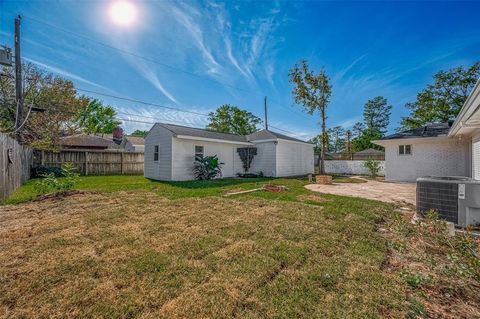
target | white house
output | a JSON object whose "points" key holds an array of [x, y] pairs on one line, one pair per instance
{"points": [[133, 143], [445, 149], [170, 152]]}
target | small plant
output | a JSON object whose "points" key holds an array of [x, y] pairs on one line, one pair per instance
{"points": [[52, 183], [414, 280], [207, 167], [373, 167]]}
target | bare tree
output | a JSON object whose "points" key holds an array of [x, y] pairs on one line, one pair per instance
{"points": [[313, 91]]}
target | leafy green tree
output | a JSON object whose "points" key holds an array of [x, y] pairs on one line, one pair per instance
{"points": [[376, 115], [358, 129], [51, 104], [97, 118], [231, 119], [313, 92], [337, 137], [442, 100], [317, 143], [139, 133], [364, 141]]}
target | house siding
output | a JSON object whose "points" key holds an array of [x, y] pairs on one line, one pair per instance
{"points": [[184, 157], [476, 156], [161, 169], [265, 160], [432, 157], [294, 159]]}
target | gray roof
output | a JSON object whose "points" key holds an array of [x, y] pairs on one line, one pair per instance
{"points": [[136, 140], [84, 140], [429, 130], [268, 135], [198, 132]]}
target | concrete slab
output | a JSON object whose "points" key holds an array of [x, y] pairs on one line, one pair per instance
{"points": [[378, 190]]}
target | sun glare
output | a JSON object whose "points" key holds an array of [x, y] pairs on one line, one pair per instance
{"points": [[123, 12]]}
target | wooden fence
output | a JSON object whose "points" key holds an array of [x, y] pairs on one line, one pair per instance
{"points": [[93, 162], [15, 165]]}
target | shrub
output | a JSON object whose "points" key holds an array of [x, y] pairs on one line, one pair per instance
{"points": [[53, 183], [42, 171], [207, 167], [373, 167]]}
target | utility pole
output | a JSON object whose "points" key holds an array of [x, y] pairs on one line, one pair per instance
{"points": [[18, 74], [349, 144], [266, 121]]}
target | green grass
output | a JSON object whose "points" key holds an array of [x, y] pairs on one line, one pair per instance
{"points": [[164, 250], [177, 189], [171, 190]]}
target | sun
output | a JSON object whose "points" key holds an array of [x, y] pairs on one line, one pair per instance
{"points": [[123, 12]]}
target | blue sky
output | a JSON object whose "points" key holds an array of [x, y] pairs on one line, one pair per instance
{"points": [[196, 56]]}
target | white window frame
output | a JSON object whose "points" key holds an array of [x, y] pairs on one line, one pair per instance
{"points": [[195, 151], [403, 147], [156, 153]]}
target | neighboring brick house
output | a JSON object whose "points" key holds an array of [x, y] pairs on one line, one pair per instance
{"points": [[438, 149]]}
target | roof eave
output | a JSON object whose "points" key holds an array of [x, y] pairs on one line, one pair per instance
{"points": [[206, 139]]}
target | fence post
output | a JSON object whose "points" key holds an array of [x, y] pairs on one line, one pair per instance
{"points": [[121, 163], [86, 163], [42, 158]]}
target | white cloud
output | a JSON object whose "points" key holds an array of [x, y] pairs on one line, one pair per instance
{"points": [[196, 33], [64, 73], [149, 74]]}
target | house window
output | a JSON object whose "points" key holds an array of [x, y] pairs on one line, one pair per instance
{"points": [[155, 153], [198, 151], [405, 149]]}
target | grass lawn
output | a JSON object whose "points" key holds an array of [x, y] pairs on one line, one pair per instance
{"points": [[139, 248]]}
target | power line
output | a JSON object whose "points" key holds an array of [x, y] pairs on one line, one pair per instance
{"points": [[134, 54], [163, 106], [141, 102]]}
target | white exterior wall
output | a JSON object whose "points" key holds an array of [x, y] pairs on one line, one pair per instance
{"points": [[476, 156], [265, 160], [294, 158], [162, 169], [139, 148], [430, 157], [356, 167], [183, 151]]}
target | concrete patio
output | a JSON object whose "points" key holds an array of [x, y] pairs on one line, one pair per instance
{"points": [[378, 190]]}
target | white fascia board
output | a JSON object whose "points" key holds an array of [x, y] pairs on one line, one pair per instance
{"points": [[290, 141], [196, 138], [264, 141], [280, 139]]}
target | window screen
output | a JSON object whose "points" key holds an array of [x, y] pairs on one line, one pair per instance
{"points": [[155, 153], [198, 151], [404, 149], [408, 149]]}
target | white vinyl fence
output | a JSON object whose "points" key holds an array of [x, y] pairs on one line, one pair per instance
{"points": [[356, 167]]}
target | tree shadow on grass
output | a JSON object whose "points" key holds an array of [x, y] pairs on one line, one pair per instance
{"points": [[215, 183]]}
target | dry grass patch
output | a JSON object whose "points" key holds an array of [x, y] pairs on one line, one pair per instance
{"points": [[136, 254], [442, 273]]}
